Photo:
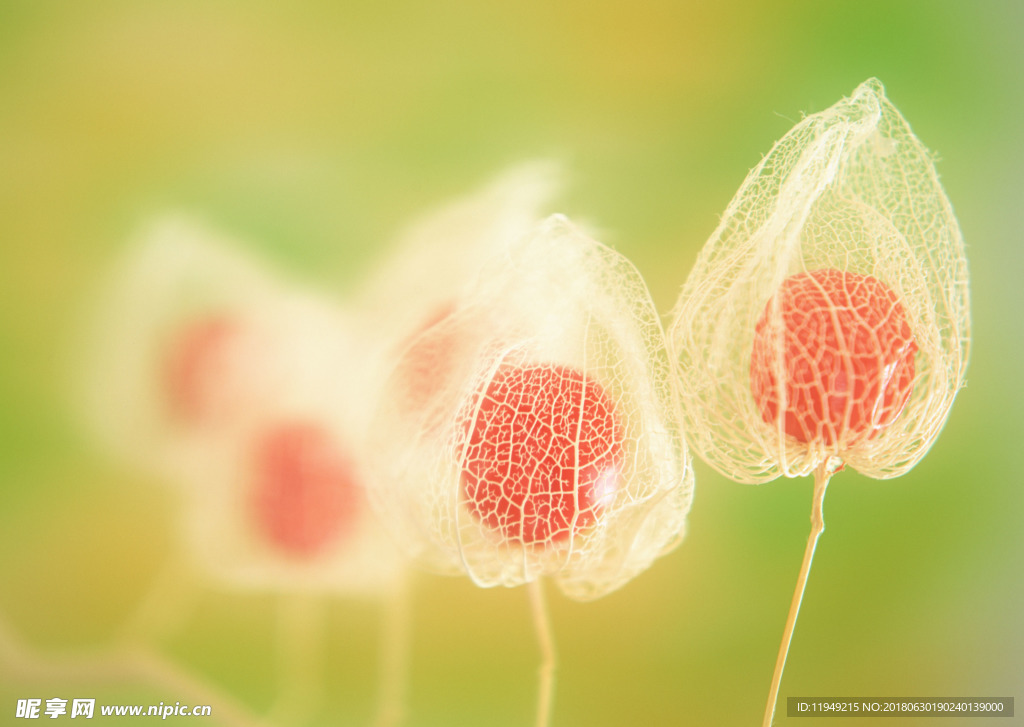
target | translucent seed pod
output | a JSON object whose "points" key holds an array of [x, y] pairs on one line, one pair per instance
{"points": [[174, 350], [548, 443], [826, 321], [245, 392], [217, 376], [439, 254], [277, 499]]}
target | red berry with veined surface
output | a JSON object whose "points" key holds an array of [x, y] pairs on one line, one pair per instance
{"points": [[545, 453], [847, 357], [304, 495]]}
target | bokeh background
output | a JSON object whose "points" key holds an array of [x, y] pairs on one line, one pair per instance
{"points": [[315, 131]]}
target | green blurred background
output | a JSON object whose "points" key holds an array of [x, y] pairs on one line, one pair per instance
{"points": [[316, 131]]}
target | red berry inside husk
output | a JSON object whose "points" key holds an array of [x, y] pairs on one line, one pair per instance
{"points": [[847, 357], [545, 453], [426, 367], [304, 495], [197, 368]]}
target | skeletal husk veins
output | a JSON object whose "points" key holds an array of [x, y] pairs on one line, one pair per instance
{"points": [[840, 368], [848, 195], [435, 260], [543, 453], [439, 254], [549, 443]]}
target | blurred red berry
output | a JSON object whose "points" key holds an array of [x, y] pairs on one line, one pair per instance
{"points": [[305, 494], [197, 366]]}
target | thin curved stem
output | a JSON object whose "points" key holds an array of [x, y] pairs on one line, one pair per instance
{"points": [[300, 635], [821, 478], [165, 606], [20, 662], [394, 660], [548, 658]]}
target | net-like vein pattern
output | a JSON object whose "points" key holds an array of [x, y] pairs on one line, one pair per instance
{"points": [[544, 453], [846, 367], [438, 254], [534, 430], [848, 191]]}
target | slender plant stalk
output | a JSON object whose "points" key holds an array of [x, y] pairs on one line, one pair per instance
{"points": [[300, 636], [20, 663], [165, 607], [394, 660], [821, 477], [548, 658]]}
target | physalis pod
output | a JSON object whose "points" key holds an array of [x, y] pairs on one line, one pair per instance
{"points": [[278, 499], [532, 429], [826, 321], [242, 389], [416, 283], [174, 348]]}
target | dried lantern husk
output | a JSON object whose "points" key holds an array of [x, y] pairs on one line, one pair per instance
{"points": [[849, 191], [204, 369], [557, 306]]}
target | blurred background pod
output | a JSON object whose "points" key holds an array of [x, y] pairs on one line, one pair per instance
{"points": [[278, 500], [552, 313], [174, 348], [419, 280], [279, 507], [207, 371], [850, 190]]}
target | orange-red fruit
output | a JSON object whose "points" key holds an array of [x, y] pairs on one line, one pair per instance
{"points": [[304, 494], [196, 368], [847, 361], [427, 365], [545, 453]]}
